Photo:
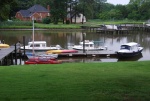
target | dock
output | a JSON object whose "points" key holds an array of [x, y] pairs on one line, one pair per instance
{"points": [[7, 55], [122, 28], [100, 53]]}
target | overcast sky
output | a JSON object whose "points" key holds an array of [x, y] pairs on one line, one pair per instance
{"points": [[123, 2]]}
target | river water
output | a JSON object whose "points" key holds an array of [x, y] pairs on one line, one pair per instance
{"points": [[65, 37]]}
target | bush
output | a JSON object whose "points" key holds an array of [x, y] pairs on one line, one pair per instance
{"points": [[16, 23], [46, 20], [67, 22]]}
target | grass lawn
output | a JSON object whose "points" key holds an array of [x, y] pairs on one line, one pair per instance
{"points": [[60, 25], [120, 81]]}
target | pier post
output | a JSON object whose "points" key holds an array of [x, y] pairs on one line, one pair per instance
{"points": [[15, 55], [20, 57], [11, 56], [24, 46], [83, 35]]}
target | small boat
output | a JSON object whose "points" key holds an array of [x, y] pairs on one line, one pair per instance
{"points": [[4, 45], [42, 60], [129, 50], [61, 51], [88, 46], [40, 46], [49, 56]]}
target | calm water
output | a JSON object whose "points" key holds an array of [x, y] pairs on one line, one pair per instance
{"points": [[65, 37]]}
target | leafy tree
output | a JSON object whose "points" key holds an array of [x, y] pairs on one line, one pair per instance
{"points": [[122, 10], [5, 7], [144, 11], [115, 14], [58, 10]]}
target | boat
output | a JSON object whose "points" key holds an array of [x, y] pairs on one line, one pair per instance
{"points": [[134, 58], [61, 51], [88, 46], [4, 45], [50, 56], [129, 50], [42, 60], [40, 46]]}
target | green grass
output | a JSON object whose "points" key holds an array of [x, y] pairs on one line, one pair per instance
{"points": [[122, 81], [60, 25], [96, 22]]}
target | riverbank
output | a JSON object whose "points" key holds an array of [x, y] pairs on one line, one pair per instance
{"points": [[121, 81], [28, 25]]}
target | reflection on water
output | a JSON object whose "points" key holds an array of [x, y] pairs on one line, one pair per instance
{"points": [[100, 59], [112, 41], [135, 58]]}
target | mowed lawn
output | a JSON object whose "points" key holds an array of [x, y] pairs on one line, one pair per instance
{"points": [[119, 81]]}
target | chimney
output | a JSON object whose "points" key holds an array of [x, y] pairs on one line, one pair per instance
{"points": [[48, 7]]}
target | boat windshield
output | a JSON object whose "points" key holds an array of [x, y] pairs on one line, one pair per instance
{"points": [[35, 45], [125, 47]]}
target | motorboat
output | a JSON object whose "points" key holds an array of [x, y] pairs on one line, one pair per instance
{"points": [[129, 50], [49, 56], [4, 45], [61, 51], [88, 46], [42, 60], [40, 46]]}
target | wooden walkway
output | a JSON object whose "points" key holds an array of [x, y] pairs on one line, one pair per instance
{"points": [[6, 52], [124, 28], [100, 53]]}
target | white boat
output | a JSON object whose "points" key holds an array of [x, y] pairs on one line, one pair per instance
{"points": [[40, 46], [88, 46], [48, 56], [129, 49], [3, 45]]}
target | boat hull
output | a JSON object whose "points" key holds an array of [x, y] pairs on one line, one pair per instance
{"points": [[42, 61], [61, 51], [48, 56], [92, 49], [131, 54], [4, 46]]}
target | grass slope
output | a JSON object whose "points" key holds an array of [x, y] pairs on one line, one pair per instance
{"points": [[60, 25], [123, 81]]}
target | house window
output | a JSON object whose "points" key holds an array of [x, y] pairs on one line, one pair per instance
{"points": [[48, 14]]}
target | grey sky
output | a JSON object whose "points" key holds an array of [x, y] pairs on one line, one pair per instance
{"points": [[123, 2]]}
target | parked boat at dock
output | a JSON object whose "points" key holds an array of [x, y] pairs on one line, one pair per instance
{"points": [[40, 46], [42, 60], [129, 50], [61, 51], [49, 56], [87, 45], [3, 45]]}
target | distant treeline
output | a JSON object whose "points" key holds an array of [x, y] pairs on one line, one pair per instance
{"points": [[92, 9]]}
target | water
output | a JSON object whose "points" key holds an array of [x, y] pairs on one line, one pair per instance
{"points": [[65, 37]]}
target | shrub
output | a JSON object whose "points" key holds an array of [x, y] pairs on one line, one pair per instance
{"points": [[67, 22], [46, 20]]}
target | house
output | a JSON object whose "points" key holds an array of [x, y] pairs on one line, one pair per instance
{"points": [[74, 16], [36, 12], [78, 18]]}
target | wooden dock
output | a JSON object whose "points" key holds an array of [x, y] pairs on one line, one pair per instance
{"points": [[6, 54], [112, 31], [100, 53], [122, 28]]}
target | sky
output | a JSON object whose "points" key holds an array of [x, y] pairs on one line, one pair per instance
{"points": [[115, 2]]}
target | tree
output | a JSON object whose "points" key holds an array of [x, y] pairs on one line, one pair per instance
{"points": [[58, 10], [5, 7]]}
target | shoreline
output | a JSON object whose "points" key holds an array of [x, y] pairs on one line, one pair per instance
{"points": [[38, 29]]}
